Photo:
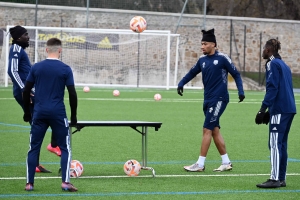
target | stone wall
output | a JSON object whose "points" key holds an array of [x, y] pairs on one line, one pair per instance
{"points": [[248, 32]]}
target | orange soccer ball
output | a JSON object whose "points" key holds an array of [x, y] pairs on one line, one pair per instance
{"points": [[132, 167], [138, 24], [76, 168]]}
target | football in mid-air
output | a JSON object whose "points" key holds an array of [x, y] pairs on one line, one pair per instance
{"points": [[76, 169], [138, 24], [132, 168]]}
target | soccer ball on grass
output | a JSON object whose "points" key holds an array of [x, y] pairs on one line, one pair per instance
{"points": [[132, 168], [76, 169]]}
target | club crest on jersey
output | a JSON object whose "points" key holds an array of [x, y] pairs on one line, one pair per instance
{"points": [[203, 65], [216, 62]]}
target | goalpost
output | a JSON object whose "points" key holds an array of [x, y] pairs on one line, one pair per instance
{"points": [[109, 57]]}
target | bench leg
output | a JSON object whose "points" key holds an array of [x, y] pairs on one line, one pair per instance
{"points": [[144, 151]]}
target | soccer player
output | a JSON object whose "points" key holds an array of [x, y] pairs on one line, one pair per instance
{"points": [[214, 66], [280, 102], [50, 77], [18, 70]]}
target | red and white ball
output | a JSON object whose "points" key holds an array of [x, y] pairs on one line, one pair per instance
{"points": [[76, 169], [116, 93], [157, 97], [132, 168], [86, 89], [138, 24]]}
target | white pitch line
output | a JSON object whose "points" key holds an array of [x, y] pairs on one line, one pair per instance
{"points": [[150, 176]]}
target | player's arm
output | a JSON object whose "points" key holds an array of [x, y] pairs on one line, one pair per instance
{"points": [[272, 85], [196, 69], [26, 100], [73, 103], [236, 76], [72, 95], [13, 70]]}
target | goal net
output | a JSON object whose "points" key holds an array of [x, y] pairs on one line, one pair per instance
{"points": [[110, 57]]}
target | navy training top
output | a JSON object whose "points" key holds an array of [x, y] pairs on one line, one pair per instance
{"points": [[50, 78], [279, 97], [214, 70], [18, 67]]}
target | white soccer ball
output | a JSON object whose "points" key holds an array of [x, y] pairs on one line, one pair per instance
{"points": [[138, 24], [157, 97], [116, 93], [132, 168], [76, 169], [86, 89]]}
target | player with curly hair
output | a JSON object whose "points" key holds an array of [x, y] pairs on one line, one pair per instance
{"points": [[280, 102]]}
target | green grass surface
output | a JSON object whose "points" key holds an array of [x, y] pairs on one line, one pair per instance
{"points": [[104, 150]]}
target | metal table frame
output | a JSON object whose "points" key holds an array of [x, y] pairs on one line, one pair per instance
{"points": [[132, 124]]}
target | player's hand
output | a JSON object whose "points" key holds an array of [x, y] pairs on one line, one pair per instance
{"points": [[241, 97], [266, 118], [27, 117], [180, 90], [31, 96], [73, 119], [260, 117]]}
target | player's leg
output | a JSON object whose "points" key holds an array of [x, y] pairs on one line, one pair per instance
{"points": [[37, 134], [219, 141], [206, 140], [205, 143], [276, 134], [19, 99], [220, 144], [219, 108], [278, 124], [53, 147], [287, 120], [60, 128]]}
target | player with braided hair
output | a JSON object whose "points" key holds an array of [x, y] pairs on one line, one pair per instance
{"points": [[280, 102]]}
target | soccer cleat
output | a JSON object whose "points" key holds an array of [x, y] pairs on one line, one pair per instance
{"points": [[194, 168], [55, 150], [68, 187], [29, 187], [42, 169], [224, 167], [269, 184], [282, 183]]}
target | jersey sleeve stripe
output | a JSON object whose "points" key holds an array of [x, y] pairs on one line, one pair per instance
{"points": [[225, 56], [14, 72], [17, 48]]}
